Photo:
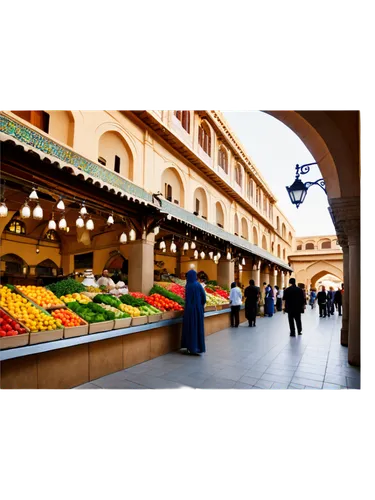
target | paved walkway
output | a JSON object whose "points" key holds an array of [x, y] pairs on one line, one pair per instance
{"points": [[265, 357]]}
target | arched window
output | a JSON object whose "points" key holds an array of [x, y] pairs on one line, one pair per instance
{"points": [[238, 175], [309, 246], [168, 192], [283, 231], [236, 229], [299, 247], [278, 251], [223, 159], [184, 118], [115, 154], [251, 188], [255, 236], [264, 243], [244, 229], [52, 235], [284, 254], [257, 200], [219, 215], [326, 244], [277, 224], [16, 226], [200, 202], [204, 138]]}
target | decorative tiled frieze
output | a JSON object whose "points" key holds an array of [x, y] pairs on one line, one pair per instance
{"points": [[46, 145]]}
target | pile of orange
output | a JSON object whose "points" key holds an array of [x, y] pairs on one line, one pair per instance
{"points": [[66, 317], [41, 296]]}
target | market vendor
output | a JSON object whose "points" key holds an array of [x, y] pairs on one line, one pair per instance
{"points": [[105, 280]]}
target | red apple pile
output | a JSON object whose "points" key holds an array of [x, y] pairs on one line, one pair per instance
{"points": [[9, 327]]}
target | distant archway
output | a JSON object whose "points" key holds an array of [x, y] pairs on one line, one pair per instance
{"points": [[244, 229], [13, 264], [114, 153], [264, 243]]}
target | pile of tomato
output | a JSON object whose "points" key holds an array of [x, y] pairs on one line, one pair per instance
{"points": [[66, 318], [162, 303], [9, 327], [178, 290], [138, 295], [219, 292]]}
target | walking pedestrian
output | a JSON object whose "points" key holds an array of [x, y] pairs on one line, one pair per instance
{"points": [[269, 303], [330, 304], [252, 294], [338, 300], [312, 298], [235, 298], [322, 301], [278, 299], [193, 320], [294, 305]]}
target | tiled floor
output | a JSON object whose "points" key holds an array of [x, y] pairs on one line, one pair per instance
{"points": [[265, 357]]}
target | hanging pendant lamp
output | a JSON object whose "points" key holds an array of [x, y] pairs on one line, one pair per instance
{"points": [[90, 224], [123, 238], [62, 223], [3, 210], [25, 211], [80, 222], [61, 205], [38, 212]]}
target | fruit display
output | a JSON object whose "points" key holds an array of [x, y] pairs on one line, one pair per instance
{"points": [[163, 303], [149, 310], [178, 281], [118, 314], [218, 291], [214, 300], [93, 289], [166, 293], [66, 287], [91, 312], [9, 327], [20, 308], [67, 318], [173, 288], [41, 296], [75, 297], [133, 311]]}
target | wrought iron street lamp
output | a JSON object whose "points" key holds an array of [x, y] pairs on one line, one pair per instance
{"points": [[298, 190]]}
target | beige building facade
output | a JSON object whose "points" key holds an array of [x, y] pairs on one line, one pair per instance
{"points": [[314, 257]]}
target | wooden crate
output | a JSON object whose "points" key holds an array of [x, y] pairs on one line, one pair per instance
{"points": [[103, 326], [17, 340], [153, 318], [46, 336], [122, 323], [210, 308], [139, 320]]}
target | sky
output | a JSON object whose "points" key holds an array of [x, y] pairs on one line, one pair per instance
{"points": [[275, 151]]}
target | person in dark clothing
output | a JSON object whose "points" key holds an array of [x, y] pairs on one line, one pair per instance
{"points": [[235, 298], [278, 299], [268, 301], [330, 304], [294, 306], [193, 320], [252, 294], [338, 300], [322, 301]]}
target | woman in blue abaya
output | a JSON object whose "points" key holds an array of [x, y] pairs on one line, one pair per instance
{"points": [[193, 321], [269, 302]]}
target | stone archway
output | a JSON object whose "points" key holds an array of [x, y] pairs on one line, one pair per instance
{"points": [[333, 139]]}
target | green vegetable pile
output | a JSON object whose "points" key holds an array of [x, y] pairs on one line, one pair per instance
{"points": [[118, 314], [66, 287], [148, 310], [172, 296], [132, 301], [91, 312], [107, 299]]}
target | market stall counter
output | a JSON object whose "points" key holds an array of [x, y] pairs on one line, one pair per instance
{"points": [[70, 362]]}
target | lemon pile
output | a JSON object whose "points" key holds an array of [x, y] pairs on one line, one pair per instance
{"points": [[75, 297], [34, 319], [133, 311]]}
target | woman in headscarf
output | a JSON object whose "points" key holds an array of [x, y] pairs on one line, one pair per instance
{"points": [[193, 321], [269, 303]]}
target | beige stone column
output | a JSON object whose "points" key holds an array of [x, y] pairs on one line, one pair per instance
{"points": [[265, 275], [141, 266], [346, 217], [345, 296], [225, 273], [255, 274], [354, 337], [274, 274]]}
